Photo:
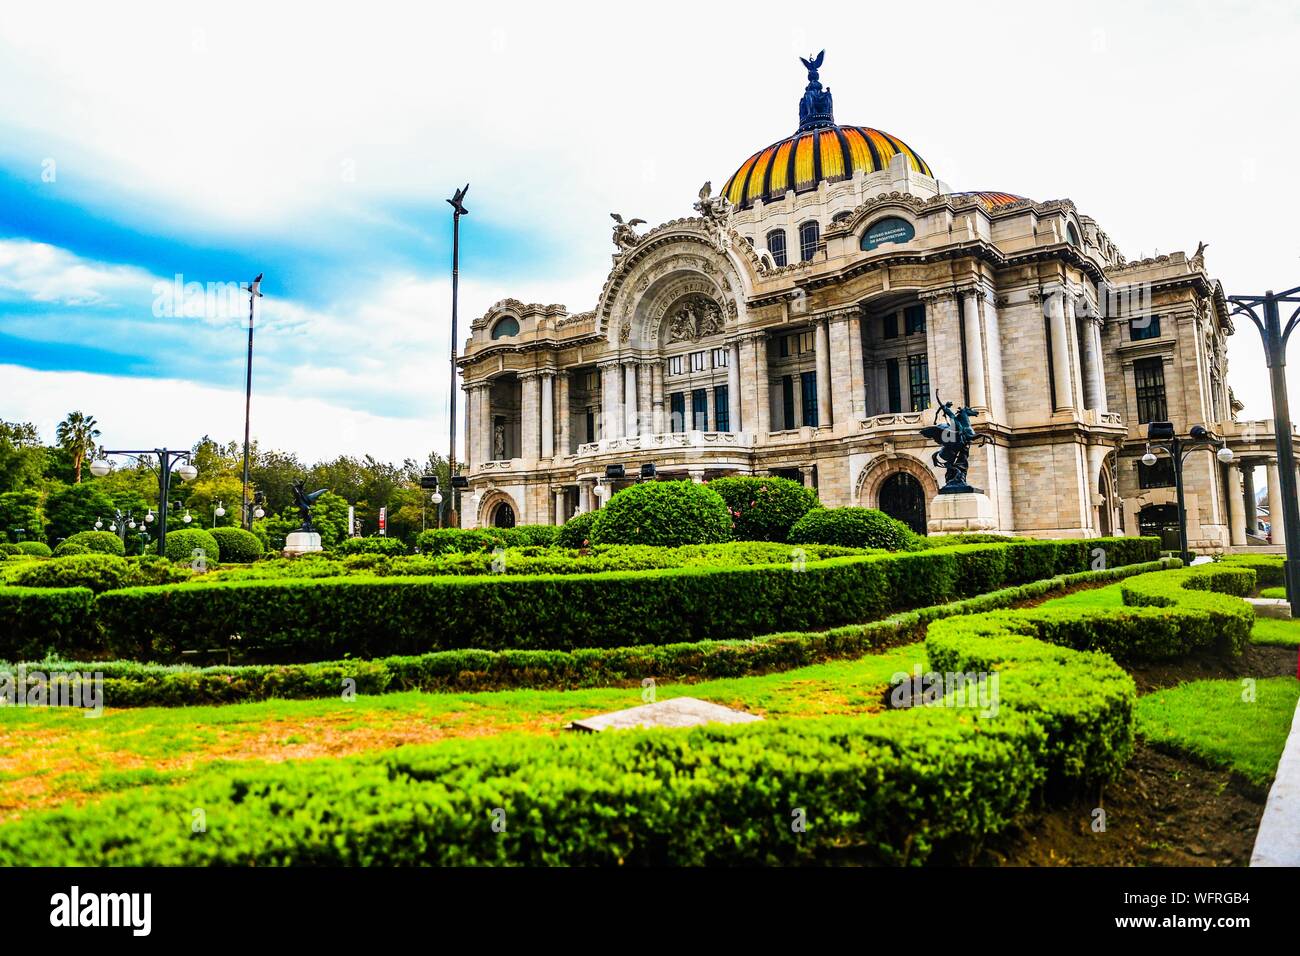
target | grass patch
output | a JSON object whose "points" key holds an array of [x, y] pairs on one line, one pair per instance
{"points": [[1270, 630], [1109, 596], [1273, 593], [1211, 721]]}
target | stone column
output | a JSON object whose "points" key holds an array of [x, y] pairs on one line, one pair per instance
{"points": [[1236, 508], [840, 328], [548, 414], [755, 400], [733, 386], [645, 397], [1278, 533], [629, 398], [530, 417], [471, 420], [978, 394], [696, 475], [1098, 368], [559, 506], [857, 367], [1248, 498], [565, 414], [942, 347], [993, 349], [485, 424], [611, 401], [657, 396], [584, 496], [821, 335], [1077, 374], [710, 410], [1061, 378]]}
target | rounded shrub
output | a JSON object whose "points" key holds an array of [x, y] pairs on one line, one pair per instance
{"points": [[105, 542], [664, 513], [852, 528], [576, 532], [8, 548], [182, 544], [465, 540], [237, 545], [99, 572], [529, 535], [764, 509], [37, 549], [377, 544], [65, 549]]}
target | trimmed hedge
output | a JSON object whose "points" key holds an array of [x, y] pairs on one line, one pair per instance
{"points": [[764, 509], [105, 542], [897, 788], [8, 548], [182, 543], [528, 535], [663, 513], [237, 545], [37, 549], [35, 622], [852, 528], [131, 684], [576, 532], [98, 572], [1268, 568], [467, 540], [328, 618], [376, 544], [65, 549]]}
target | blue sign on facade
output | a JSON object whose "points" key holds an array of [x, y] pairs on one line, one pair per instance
{"points": [[891, 229]]}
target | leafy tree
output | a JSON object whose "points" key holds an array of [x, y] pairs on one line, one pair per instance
{"points": [[22, 459], [73, 508], [273, 474], [77, 433], [207, 490], [22, 509]]}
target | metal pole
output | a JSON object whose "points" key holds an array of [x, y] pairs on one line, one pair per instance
{"points": [[164, 473], [458, 210], [1275, 354], [245, 518], [1176, 452]]}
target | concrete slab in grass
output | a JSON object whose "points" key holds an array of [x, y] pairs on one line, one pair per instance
{"points": [[1278, 840], [1271, 607], [678, 712]]}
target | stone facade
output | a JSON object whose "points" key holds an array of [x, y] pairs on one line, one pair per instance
{"points": [[705, 357]]}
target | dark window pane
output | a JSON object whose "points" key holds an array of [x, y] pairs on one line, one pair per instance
{"points": [[776, 246], [1159, 475], [677, 412], [787, 401], [699, 410], [1149, 381], [1146, 327], [914, 319], [721, 409], [895, 393], [809, 235], [918, 379], [891, 325], [808, 388]]}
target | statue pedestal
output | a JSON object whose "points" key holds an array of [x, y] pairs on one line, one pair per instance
{"points": [[301, 542], [965, 511]]}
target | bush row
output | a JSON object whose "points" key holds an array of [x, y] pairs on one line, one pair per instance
{"points": [[132, 684], [896, 788], [1267, 567], [281, 621]]}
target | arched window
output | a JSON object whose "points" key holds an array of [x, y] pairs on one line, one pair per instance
{"points": [[1071, 234], [776, 246], [505, 328], [809, 235]]}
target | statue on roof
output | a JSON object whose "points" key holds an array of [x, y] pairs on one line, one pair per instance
{"points": [[625, 236], [713, 208], [816, 108]]}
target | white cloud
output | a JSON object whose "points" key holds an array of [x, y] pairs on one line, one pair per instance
{"points": [[39, 272]]}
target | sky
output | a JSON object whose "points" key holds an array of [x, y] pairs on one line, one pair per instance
{"points": [[149, 148]]}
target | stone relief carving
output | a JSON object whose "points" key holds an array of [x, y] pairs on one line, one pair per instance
{"points": [[695, 319]]}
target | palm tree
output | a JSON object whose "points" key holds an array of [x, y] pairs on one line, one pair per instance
{"points": [[77, 434]]}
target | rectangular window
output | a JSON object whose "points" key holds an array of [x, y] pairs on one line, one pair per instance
{"points": [[721, 409], [697, 361], [675, 365], [891, 325], [914, 319], [783, 346], [700, 409], [677, 412], [918, 381], [591, 423], [591, 381], [806, 342], [1146, 327], [1159, 475], [895, 390], [1149, 381], [787, 401], [808, 392], [721, 358]]}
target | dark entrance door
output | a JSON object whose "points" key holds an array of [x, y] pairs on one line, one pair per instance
{"points": [[504, 516], [1162, 522], [902, 497]]}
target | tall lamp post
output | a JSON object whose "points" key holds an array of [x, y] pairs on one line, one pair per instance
{"points": [[169, 460], [254, 293], [1275, 340], [1162, 437], [457, 202]]}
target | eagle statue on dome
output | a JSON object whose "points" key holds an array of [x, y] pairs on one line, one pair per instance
{"points": [[815, 109], [625, 236], [713, 208]]}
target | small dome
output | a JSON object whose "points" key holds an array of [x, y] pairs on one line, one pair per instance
{"points": [[991, 200], [819, 150]]}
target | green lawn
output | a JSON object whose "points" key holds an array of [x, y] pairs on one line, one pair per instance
{"points": [[1108, 596], [49, 755], [1273, 593], [1210, 720]]}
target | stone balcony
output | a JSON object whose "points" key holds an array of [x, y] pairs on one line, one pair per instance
{"points": [[688, 442]]}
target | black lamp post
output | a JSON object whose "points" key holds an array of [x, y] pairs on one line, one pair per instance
{"points": [[168, 461], [254, 293], [1162, 437], [1275, 340], [457, 203]]}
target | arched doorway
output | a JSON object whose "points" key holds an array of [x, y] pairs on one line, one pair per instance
{"points": [[1160, 521], [503, 516], [902, 498]]}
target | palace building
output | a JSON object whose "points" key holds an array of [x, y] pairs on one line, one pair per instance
{"points": [[803, 322]]}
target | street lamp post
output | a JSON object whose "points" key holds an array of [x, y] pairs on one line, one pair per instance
{"points": [[457, 202], [1178, 449], [169, 460], [1275, 341], [254, 293]]}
